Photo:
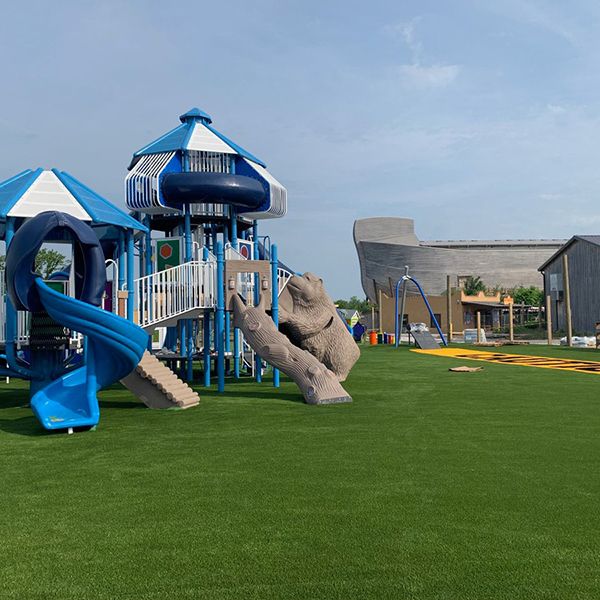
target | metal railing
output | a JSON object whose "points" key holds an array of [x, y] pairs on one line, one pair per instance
{"points": [[283, 277], [245, 281], [167, 294]]}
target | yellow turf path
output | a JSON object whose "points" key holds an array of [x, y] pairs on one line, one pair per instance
{"points": [[541, 362]]}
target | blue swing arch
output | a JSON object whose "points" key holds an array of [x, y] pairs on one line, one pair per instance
{"points": [[402, 283]]}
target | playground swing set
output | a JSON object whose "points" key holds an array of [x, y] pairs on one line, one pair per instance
{"points": [[204, 283], [423, 339]]}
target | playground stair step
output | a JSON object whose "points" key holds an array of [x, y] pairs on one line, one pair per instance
{"points": [[172, 320], [158, 387]]}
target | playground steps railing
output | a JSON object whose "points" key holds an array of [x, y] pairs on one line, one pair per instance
{"points": [[176, 293], [283, 277], [158, 387]]}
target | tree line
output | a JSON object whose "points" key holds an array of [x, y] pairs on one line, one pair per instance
{"points": [[531, 296], [46, 262]]}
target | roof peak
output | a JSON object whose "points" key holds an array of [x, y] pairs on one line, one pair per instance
{"points": [[195, 114], [34, 191]]}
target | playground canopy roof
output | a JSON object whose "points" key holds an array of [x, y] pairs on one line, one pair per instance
{"points": [[195, 133], [34, 191]]}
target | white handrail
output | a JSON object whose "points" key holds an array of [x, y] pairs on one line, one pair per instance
{"points": [[283, 277], [115, 283], [167, 294]]}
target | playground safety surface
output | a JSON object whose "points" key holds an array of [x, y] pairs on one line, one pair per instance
{"points": [[541, 362]]}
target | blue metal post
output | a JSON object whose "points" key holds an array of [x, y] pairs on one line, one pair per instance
{"points": [[148, 265], [130, 263], [234, 231], [226, 237], [227, 332], [206, 334], [121, 259], [187, 233], [258, 361], [220, 318], [396, 325], [213, 235], [11, 315], [236, 333], [227, 240], [236, 353], [148, 246], [233, 212], [188, 331], [274, 302]]}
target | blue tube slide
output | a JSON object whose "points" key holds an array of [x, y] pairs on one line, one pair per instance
{"points": [[67, 397], [240, 191], [114, 348]]}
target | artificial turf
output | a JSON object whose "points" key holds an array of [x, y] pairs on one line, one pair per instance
{"points": [[430, 485]]}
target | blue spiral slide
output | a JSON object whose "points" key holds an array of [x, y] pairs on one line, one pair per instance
{"points": [[63, 396]]}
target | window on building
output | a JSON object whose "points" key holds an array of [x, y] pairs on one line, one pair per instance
{"points": [[438, 318]]}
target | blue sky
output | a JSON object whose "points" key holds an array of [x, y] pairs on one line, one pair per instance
{"points": [[478, 119]]}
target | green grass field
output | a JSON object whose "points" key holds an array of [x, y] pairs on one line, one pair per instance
{"points": [[430, 485]]}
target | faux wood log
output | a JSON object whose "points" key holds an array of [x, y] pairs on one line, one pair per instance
{"points": [[316, 382]]}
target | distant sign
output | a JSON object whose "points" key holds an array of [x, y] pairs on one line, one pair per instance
{"points": [[168, 253], [554, 282], [245, 249]]}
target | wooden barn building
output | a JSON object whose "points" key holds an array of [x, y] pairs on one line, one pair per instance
{"points": [[583, 252]]}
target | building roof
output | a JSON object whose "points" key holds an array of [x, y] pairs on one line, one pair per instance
{"points": [[485, 304], [493, 243], [37, 190], [590, 239], [195, 133]]}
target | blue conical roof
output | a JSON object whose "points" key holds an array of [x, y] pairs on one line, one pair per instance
{"points": [[37, 190], [195, 133]]}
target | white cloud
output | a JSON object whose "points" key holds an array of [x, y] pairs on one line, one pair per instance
{"points": [[556, 109], [407, 32], [557, 21], [417, 74], [434, 76]]}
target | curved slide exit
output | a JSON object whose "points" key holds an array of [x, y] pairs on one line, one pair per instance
{"points": [[64, 396]]}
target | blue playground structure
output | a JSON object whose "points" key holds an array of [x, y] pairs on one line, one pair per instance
{"points": [[144, 293]]}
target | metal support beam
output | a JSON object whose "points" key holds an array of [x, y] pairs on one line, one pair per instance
{"points": [[121, 258], [130, 275], [257, 361], [274, 301], [220, 318], [567, 289]]}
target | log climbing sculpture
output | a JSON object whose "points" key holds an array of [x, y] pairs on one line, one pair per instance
{"points": [[309, 318], [317, 383]]}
